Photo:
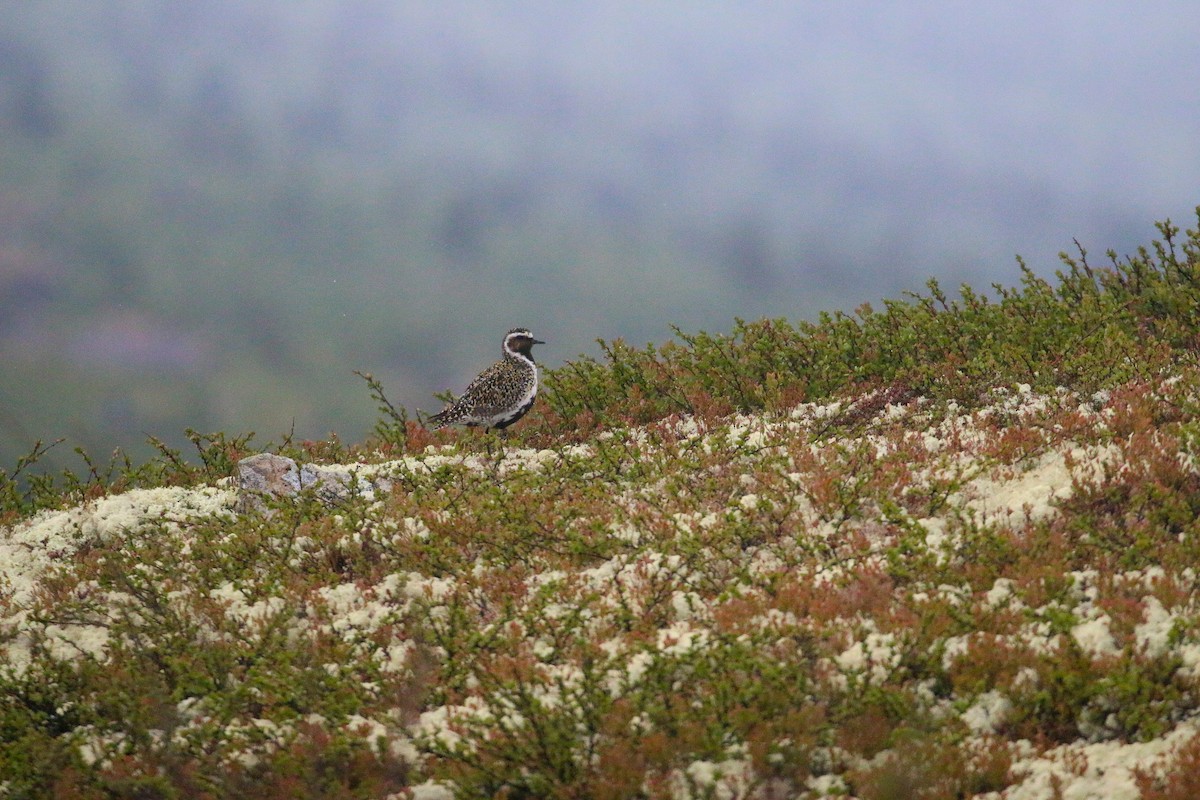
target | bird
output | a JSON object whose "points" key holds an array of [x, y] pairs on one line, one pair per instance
{"points": [[502, 393]]}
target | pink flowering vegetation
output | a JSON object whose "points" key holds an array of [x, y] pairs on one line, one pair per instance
{"points": [[737, 580]]}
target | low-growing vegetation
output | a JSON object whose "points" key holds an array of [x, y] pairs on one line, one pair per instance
{"points": [[943, 550]]}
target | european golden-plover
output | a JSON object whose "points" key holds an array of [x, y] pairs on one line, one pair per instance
{"points": [[502, 393]]}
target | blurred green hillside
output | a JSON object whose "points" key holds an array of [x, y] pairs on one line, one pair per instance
{"points": [[212, 212], [192, 235]]}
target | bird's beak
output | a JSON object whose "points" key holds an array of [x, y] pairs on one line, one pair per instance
{"points": [[538, 341]]}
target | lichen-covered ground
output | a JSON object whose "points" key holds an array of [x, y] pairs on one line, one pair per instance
{"points": [[885, 597]]}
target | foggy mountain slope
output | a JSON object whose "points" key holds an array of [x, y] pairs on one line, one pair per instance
{"points": [[256, 198]]}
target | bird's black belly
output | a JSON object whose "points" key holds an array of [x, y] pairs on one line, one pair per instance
{"points": [[513, 417]]}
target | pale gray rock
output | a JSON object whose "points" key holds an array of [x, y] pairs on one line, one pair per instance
{"points": [[267, 474]]}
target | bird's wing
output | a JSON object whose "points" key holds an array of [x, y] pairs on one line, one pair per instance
{"points": [[485, 394]]}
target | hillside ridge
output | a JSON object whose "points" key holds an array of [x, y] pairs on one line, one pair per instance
{"points": [[815, 597]]}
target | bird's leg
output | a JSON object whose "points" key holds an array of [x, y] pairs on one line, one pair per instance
{"points": [[497, 437]]}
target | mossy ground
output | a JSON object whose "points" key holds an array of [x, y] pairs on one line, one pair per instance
{"points": [[940, 550]]}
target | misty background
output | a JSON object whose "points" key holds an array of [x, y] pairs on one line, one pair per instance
{"points": [[213, 211]]}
